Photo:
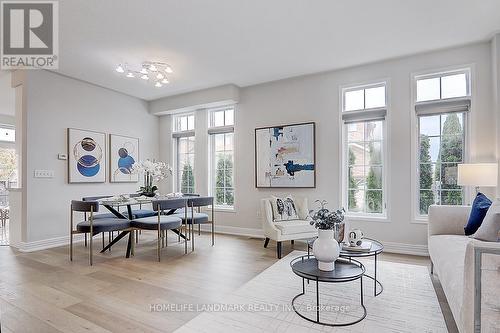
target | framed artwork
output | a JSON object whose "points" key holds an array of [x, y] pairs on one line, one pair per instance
{"points": [[285, 156], [86, 156], [123, 153]]}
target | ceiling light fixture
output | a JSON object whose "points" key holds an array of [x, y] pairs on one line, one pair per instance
{"points": [[152, 71]]}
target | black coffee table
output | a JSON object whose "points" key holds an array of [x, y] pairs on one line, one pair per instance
{"points": [[376, 249], [346, 270]]}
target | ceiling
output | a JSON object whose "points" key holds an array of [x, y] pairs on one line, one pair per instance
{"points": [[210, 43]]}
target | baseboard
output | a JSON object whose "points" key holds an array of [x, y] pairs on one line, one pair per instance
{"points": [[47, 243], [237, 231], [400, 248]]}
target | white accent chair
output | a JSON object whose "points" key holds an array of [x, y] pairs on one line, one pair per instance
{"points": [[468, 269], [286, 230]]}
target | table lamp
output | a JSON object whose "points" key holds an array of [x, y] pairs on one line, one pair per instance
{"points": [[478, 175]]}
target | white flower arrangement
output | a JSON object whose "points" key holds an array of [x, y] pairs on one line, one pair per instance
{"points": [[152, 171]]}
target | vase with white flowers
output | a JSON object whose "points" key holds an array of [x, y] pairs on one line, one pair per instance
{"points": [[153, 172], [326, 248]]}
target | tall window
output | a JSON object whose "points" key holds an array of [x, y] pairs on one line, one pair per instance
{"points": [[185, 152], [442, 105], [221, 132], [363, 116], [7, 133]]}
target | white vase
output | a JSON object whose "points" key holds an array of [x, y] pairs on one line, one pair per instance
{"points": [[326, 250]]}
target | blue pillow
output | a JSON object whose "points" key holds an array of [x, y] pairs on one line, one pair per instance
{"points": [[478, 212]]}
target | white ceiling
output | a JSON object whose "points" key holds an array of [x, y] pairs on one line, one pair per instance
{"points": [[210, 43]]}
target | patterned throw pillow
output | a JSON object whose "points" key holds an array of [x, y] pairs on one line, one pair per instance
{"points": [[284, 209]]}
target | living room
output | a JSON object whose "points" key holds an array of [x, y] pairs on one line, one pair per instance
{"points": [[251, 119]]}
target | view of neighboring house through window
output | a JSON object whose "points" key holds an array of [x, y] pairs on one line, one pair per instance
{"points": [[442, 105], [363, 116], [8, 162], [185, 152], [221, 132]]}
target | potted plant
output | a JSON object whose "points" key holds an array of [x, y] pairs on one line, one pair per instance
{"points": [[152, 171], [326, 247]]}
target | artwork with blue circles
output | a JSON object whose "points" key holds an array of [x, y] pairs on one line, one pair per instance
{"points": [[124, 152], [86, 156]]}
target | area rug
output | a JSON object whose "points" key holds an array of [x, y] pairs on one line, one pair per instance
{"points": [[407, 304]]}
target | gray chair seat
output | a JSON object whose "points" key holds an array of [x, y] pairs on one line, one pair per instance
{"points": [[199, 218], [104, 225], [167, 222], [104, 216], [140, 213]]}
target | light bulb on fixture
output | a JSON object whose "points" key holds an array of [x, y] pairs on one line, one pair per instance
{"points": [[168, 69], [144, 71], [153, 68], [120, 69], [130, 74], [145, 77], [158, 85], [160, 76], [165, 81]]}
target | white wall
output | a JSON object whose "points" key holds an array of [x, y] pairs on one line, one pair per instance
{"points": [[55, 103], [7, 97], [316, 98]]}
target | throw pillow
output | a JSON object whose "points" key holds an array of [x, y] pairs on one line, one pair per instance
{"points": [[488, 231], [284, 209], [478, 212]]}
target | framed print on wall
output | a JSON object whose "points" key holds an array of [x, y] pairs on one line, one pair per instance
{"points": [[86, 156], [285, 156], [124, 152]]}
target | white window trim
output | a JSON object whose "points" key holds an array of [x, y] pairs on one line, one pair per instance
{"points": [[443, 72], [376, 84], [211, 159], [416, 218], [180, 115], [343, 180]]}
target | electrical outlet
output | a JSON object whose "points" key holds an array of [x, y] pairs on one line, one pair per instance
{"points": [[44, 173]]}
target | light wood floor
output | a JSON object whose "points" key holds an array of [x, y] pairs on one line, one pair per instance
{"points": [[44, 292]]}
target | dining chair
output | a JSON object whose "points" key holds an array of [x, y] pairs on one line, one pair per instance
{"points": [[91, 225], [197, 217], [162, 223]]}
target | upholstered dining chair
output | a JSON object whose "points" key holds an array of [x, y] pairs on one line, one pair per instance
{"points": [[162, 223], [197, 217], [91, 225]]}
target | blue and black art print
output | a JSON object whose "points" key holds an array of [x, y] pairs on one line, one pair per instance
{"points": [[124, 152], [86, 156]]}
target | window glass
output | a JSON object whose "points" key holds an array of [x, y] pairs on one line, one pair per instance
{"points": [[428, 89], [7, 134], [218, 118], [375, 97], [454, 86], [229, 117], [223, 175], [354, 100], [185, 164]]}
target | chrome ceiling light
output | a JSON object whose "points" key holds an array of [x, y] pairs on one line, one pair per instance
{"points": [[153, 71]]}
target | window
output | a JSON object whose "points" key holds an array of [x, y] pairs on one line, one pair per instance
{"points": [[363, 117], [184, 151], [221, 134], [7, 133], [443, 86], [441, 142]]}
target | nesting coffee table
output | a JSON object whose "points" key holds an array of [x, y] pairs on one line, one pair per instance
{"points": [[346, 270], [376, 249]]}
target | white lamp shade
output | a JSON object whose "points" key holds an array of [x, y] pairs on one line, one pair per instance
{"points": [[478, 174]]}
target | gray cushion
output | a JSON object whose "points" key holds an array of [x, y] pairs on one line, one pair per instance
{"points": [[199, 218], [488, 231], [104, 225], [151, 223], [140, 213], [104, 216]]}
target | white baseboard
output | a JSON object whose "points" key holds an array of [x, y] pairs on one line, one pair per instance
{"points": [[47, 243], [400, 248]]}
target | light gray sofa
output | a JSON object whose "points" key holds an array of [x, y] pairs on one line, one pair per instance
{"points": [[468, 269]]}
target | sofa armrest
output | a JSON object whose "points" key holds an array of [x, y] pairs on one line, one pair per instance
{"points": [[481, 289], [447, 220], [268, 226]]}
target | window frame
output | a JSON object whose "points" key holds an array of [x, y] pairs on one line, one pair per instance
{"points": [[440, 75], [188, 133], [224, 129], [177, 117], [8, 127], [344, 147], [416, 217], [178, 172]]}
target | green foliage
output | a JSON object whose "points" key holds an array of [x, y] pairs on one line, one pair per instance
{"points": [[7, 164], [426, 194], [353, 185], [224, 193], [374, 182], [187, 182]]}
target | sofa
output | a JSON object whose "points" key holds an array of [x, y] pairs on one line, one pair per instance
{"points": [[468, 269], [290, 230]]}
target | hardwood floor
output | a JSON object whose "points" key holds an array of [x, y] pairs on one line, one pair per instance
{"points": [[45, 292]]}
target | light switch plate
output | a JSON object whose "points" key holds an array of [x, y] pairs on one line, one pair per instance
{"points": [[44, 173], [63, 157]]}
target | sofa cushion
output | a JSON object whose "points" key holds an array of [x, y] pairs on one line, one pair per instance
{"points": [[448, 254], [284, 209], [294, 227], [488, 231], [478, 212]]}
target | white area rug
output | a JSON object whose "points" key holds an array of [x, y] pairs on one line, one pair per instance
{"points": [[407, 304]]}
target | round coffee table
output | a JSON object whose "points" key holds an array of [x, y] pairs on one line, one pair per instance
{"points": [[346, 270], [376, 249]]}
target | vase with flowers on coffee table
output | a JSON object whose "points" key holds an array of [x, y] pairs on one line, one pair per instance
{"points": [[374, 251]]}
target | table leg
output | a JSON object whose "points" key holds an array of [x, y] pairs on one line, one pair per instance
{"points": [[362, 301], [375, 280], [129, 244], [317, 300]]}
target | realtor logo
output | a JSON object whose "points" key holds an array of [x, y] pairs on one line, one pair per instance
{"points": [[29, 34]]}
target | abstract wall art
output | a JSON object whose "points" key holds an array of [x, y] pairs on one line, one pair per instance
{"points": [[285, 156], [86, 156], [124, 152]]}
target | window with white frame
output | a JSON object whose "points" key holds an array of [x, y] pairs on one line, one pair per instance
{"points": [[221, 133], [7, 133], [363, 116], [184, 147], [442, 105]]}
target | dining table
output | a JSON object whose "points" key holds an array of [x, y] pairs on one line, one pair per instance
{"points": [[113, 204]]}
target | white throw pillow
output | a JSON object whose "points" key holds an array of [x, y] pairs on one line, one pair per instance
{"points": [[284, 209], [489, 229]]}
